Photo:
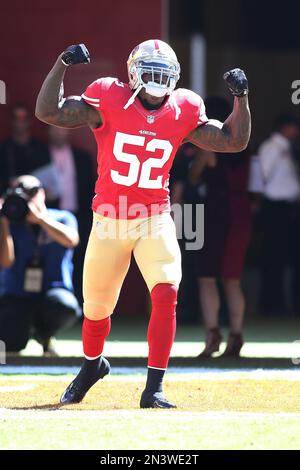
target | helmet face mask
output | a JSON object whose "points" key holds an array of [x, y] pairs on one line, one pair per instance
{"points": [[153, 65]]}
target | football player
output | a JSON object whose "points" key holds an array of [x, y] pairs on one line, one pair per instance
{"points": [[138, 127]]}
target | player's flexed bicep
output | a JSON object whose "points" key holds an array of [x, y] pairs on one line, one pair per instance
{"points": [[53, 108], [232, 135], [72, 113]]}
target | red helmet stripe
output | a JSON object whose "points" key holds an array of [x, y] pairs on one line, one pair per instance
{"points": [[156, 44]]}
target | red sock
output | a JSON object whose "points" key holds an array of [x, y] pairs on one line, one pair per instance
{"points": [[162, 325], [94, 333]]}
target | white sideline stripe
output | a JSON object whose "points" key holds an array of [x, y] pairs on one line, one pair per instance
{"points": [[96, 100], [181, 348], [166, 414], [173, 373]]}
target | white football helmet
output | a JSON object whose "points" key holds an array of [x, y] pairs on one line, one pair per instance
{"points": [[153, 65]]}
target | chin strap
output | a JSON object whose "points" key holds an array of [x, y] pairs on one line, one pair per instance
{"points": [[132, 98]]}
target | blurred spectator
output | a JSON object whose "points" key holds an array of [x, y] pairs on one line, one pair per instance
{"points": [[221, 181], [187, 304], [179, 172], [37, 254], [69, 183], [21, 153], [280, 217]]}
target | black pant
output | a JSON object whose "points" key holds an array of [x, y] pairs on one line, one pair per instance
{"points": [[41, 316], [280, 250]]}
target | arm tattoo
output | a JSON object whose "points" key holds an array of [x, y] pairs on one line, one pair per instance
{"points": [[69, 112], [231, 136], [75, 112]]}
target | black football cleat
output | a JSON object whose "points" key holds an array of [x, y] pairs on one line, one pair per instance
{"points": [[77, 389], [155, 400]]}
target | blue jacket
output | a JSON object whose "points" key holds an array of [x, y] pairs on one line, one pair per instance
{"points": [[56, 259]]}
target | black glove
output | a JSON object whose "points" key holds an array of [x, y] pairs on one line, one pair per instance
{"points": [[237, 82], [76, 55]]}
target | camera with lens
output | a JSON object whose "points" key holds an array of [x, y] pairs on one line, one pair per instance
{"points": [[15, 202]]}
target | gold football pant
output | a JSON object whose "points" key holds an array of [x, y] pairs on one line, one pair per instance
{"points": [[154, 244]]}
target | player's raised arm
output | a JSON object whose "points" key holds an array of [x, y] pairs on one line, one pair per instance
{"points": [[233, 134], [52, 107]]}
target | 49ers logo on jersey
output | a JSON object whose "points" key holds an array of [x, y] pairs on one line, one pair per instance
{"points": [[134, 174]]}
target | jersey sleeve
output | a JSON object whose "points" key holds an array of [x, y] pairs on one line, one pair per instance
{"points": [[97, 93], [197, 112], [192, 107], [201, 113], [92, 94]]}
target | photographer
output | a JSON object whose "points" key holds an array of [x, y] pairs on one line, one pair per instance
{"points": [[36, 249]]}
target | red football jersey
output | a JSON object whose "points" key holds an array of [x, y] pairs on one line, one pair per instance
{"points": [[136, 147]]}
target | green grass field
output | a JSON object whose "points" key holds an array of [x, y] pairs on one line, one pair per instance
{"points": [[224, 407], [213, 413]]}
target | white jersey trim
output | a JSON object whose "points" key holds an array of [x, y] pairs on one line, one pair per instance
{"points": [[96, 100]]}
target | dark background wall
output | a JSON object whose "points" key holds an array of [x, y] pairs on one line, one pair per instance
{"points": [[33, 33], [262, 37]]}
